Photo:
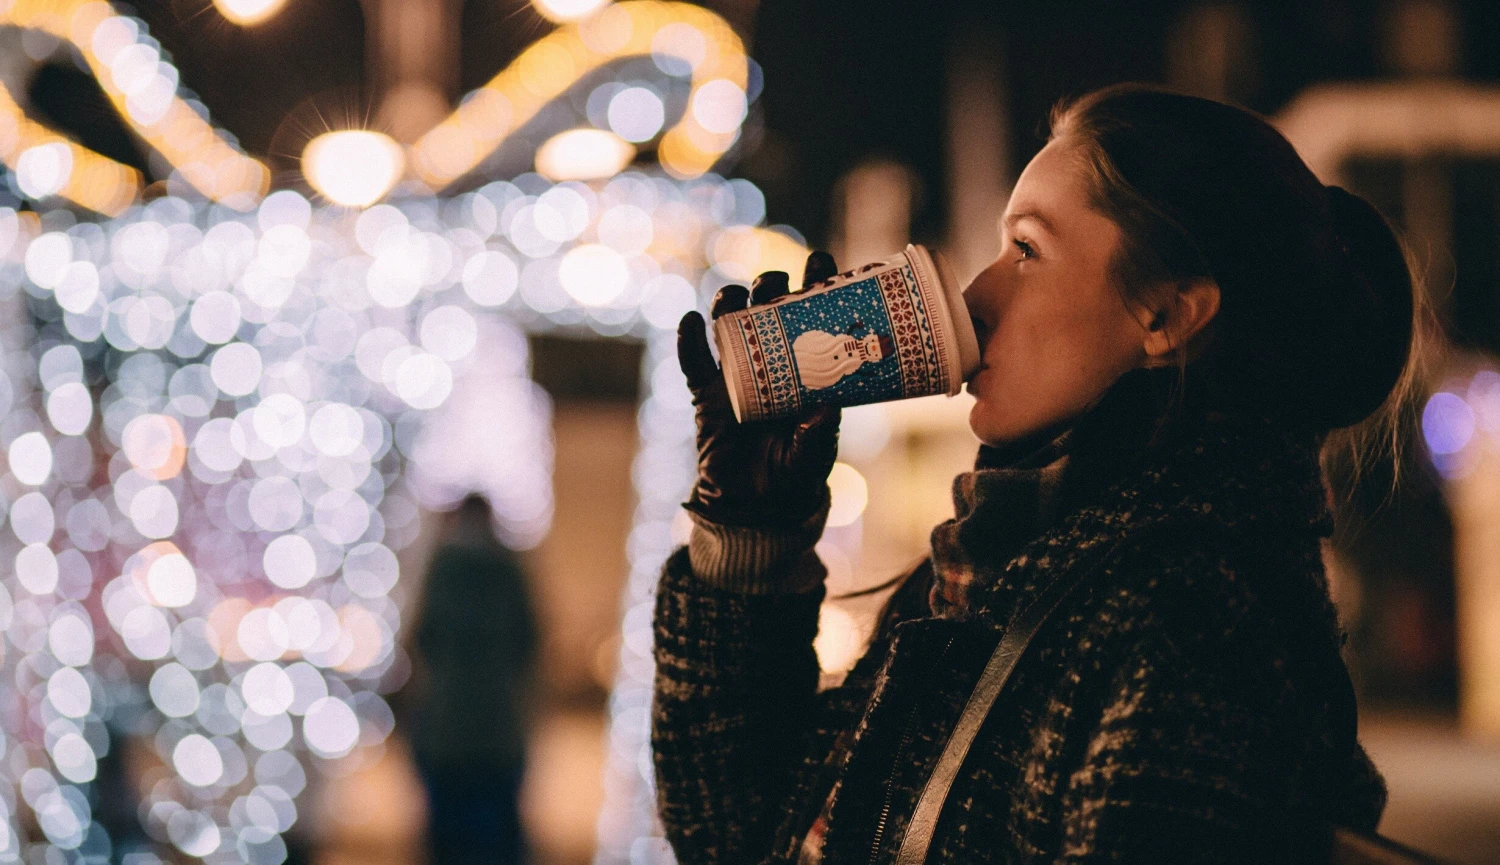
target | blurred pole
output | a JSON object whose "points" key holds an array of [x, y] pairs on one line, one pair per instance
{"points": [[979, 158], [1422, 39], [1475, 500], [1422, 42], [411, 62], [872, 212], [1209, 52]]}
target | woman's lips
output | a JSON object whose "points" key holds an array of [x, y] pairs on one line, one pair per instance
{"points": [[981, 333]]}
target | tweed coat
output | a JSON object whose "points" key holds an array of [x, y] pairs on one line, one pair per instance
{"points": [[1188, 704]]}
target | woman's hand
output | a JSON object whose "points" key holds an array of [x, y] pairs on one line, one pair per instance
{"points": [[769, 474]]}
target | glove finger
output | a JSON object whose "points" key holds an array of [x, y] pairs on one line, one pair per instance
{"points": [[816, 436], [730, 298], [820, 266], [769, 286], [693, 354]]}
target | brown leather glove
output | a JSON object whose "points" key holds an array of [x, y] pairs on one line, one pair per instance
{"points": [[770, 474]]}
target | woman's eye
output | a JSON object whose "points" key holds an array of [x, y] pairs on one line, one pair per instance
{"points": [[1026, 250]]}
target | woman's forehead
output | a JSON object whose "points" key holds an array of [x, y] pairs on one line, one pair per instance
{"points": [[1052, 188]]}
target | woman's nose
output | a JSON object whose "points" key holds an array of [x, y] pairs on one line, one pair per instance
{"points": [[982, 295]]}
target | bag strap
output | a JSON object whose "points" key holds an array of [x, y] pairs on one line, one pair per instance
{"points": [[919, 832]]}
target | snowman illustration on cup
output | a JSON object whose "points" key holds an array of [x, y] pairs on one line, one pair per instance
{"points": [[823, 358]]}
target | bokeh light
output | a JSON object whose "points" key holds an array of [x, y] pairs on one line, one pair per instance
{"points": [[849, 494], [353, 167], [636, 113], [1447, 423], [248, 12], [568, 10], [583, 154]]}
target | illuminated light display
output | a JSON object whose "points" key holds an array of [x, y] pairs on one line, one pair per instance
{"points": [[262, 379], [214, 423]]}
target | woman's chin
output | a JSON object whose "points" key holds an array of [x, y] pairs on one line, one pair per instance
{"points": [[980, 422]]}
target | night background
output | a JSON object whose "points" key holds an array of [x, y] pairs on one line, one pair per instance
{"points": [[858, 127]]}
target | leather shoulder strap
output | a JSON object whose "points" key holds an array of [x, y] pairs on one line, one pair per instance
{"points": [[919, 832]]}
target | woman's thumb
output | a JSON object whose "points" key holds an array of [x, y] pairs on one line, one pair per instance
{"points": [[693, 354]]}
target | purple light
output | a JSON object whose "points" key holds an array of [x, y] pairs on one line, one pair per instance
{"points": [[1447, 423]]}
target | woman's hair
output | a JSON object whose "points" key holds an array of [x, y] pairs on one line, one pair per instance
{"points": [[1320, 316]]}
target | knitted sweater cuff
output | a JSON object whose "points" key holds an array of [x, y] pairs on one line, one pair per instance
{"points": [[757, 561]]}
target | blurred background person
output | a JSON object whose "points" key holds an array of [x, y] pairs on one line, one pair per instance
{"points": [[475, 646]]}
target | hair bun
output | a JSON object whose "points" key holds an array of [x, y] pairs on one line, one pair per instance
{"points": [[1370, 334]]}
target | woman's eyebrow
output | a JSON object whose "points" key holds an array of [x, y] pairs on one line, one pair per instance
{"points": [[1012, 219]]}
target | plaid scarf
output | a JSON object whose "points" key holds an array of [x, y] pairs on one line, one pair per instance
{"points": [[1016, 492]]}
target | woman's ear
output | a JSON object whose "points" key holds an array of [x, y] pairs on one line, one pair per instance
{"points": [[1184, 313]]}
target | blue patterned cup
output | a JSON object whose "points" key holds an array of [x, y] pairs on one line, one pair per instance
{"points": [[891, 330]]}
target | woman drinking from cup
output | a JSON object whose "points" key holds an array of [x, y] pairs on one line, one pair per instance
{"points": [[1180, 315]]}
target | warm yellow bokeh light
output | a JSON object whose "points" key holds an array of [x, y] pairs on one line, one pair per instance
{"points": [[744, 251], [583, 154], [839, 640], [694, 39], [247, 12], [117, 56], [354, 167], [848, 493], [568, 10]]}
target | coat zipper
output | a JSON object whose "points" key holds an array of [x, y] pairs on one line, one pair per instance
{"points": [[890, 781]]}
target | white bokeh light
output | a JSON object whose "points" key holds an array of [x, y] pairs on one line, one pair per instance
{"points": [[593, 274], [153, 512], [172, 580], [330, 727], [263, 635], [44, 170], [174, 691], [69, 693], [449, 332], [48, 258], [236, 368], [36, 569], [490, 278], [71, 639], [636, 114], [248, 12], [290, 561], [215, 317], [197, 761], [568, 10], [336, 429], [583, 154], [70, 408], [75, 758], [719, 106], [267, 689], [30, 459], [32, 519]]}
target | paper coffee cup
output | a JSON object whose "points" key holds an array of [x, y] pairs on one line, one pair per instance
{"points": [[891, 330]]}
